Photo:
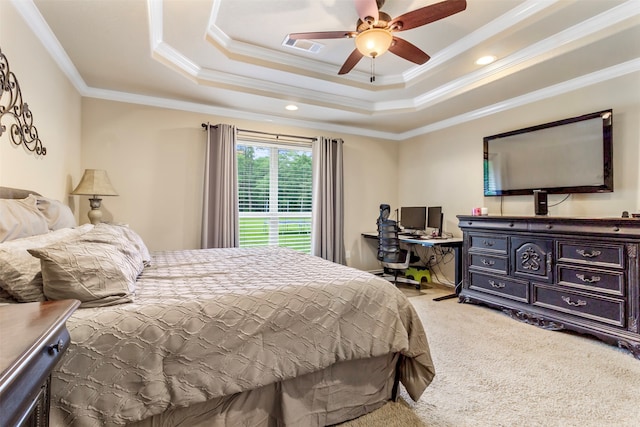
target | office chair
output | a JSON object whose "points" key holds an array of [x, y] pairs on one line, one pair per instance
{"points": [[390, 255]]}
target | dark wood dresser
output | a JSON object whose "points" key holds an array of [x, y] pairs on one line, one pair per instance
{"points": [[33, 338], [558, 273]]}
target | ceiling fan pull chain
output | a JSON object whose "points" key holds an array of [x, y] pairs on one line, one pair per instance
{"points": [[373, 70]]}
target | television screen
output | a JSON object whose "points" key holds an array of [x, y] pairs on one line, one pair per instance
{"points": [[568, 156], [414, 217]]}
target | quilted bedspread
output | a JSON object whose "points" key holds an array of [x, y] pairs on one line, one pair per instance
{"points": [[208, 323]]}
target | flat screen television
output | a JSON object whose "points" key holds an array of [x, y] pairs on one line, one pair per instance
{"points": [[573, 155]]}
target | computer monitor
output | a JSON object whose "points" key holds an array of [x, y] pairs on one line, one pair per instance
{"points": [[413, 217], [434, 220]]}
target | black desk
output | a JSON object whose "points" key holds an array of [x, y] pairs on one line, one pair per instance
{"points": [[454, 242]]}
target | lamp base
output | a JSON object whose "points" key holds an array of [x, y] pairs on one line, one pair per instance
{"points": [[95, 214]]}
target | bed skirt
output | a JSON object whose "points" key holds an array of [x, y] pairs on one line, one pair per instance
{"points": [[336, 394]]}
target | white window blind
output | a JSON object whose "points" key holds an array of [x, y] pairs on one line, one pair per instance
{"points": [[274, 194]]}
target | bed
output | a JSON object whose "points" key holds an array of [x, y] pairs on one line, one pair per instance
{"points": [[242, 336]]}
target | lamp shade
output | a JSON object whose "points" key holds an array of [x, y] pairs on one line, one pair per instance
{"points": [[374, 42], [95, 182]]}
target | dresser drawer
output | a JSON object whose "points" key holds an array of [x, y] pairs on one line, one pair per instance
{"points": [[592, 254], [502, 286], [488, 262], [593, 307], [487, 242], [609, 282]]}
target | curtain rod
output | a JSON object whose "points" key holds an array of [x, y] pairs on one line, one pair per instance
{"points": [[277, 135]]}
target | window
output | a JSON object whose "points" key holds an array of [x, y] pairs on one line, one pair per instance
{"points": [[274, 195]]}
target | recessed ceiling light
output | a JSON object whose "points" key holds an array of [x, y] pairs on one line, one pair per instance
{"points": [[485, 60], [291, 107]]}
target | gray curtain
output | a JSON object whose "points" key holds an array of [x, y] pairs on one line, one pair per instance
{"points": [[220, 207], [327, 235]]}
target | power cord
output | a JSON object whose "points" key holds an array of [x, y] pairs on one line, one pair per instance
{"points": [[561, 201], [441, 258]]}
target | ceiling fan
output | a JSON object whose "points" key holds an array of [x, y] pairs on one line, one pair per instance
{"points": [[374, 31]]}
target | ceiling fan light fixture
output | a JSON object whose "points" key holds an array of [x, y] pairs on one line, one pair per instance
{"points": [[374, 42]]}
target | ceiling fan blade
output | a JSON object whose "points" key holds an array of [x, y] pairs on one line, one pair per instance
{"points": [[322, 35], [367, 8], [408, 51], [427, 14], [351, 62]]}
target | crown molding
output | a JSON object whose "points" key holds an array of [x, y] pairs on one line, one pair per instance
{"points": [[194, 107], [207, 77], [36, 23]]}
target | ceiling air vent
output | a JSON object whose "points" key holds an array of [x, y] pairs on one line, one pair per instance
{"points": [[306, 45]]}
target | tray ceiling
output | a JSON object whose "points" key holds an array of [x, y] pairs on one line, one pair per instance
{"points": [[226, 57]]}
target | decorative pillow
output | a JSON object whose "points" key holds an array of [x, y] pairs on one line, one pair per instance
{"points": [[134, 238], [20, 272], [99, 268], [21, 218], [58, 214]]}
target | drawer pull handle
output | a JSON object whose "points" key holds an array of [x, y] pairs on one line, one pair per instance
{"points": [[578, 303], [489, 243], [56, 348], [592, 279], [496, 285], [489, 263], [586, 254]]}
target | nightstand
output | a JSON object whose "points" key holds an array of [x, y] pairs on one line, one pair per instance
{"points": [[33, 338]]}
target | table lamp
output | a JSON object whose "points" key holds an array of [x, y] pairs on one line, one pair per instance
{"points": [[94, 182]]}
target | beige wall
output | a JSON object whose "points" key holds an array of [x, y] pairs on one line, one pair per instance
{"points": [[155, 159], [55, 105], [445, 167]]}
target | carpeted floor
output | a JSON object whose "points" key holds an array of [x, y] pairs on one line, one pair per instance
{"points": [[494, 371]]}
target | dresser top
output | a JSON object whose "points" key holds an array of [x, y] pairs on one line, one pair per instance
{"points": [[550, 218], [25, 328], [622, 227]]}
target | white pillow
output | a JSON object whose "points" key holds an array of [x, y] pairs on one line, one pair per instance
{"points": [[58, 214], [21, 218]]}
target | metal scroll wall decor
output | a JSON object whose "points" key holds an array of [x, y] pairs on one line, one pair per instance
{"points": [[23, 132]]}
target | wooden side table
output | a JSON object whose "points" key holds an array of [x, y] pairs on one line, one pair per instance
{"points": [[33, 338]]}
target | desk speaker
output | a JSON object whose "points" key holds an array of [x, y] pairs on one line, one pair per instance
{"points": [[540, 201]]}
